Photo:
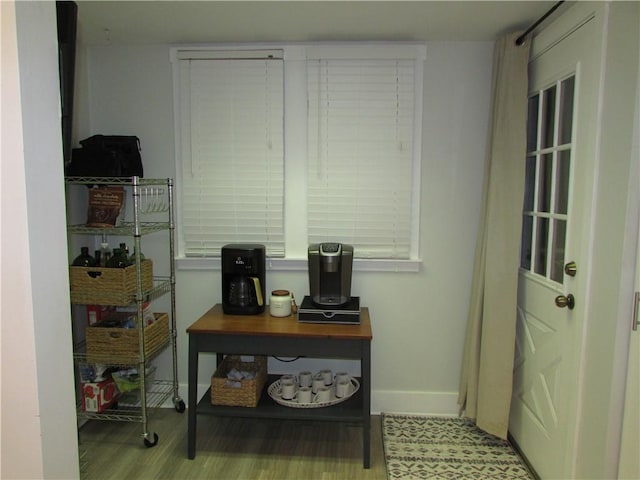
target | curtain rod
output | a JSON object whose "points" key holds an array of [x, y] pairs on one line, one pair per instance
{"points": [[520, 40]]}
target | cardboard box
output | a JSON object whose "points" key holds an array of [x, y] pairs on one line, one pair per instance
{"points": [[98, 396], [147, 314], [97, 313]]}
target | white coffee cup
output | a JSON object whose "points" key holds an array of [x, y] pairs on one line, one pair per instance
{"points": [[287, 389], [323, 395], [317, 383], [340, 376], [304, 395], [328, 376], [305, 378], [289, 376], [343, 388]]}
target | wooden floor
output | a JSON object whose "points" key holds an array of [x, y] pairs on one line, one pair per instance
{"points": [[229, 448]]}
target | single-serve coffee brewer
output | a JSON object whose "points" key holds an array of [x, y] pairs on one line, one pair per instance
{"points": [[243, 282], [330, 266], [330, 299]]}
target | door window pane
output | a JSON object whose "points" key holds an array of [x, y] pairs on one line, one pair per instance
{"points": [[525, 252], [557, 263], [562, 181], [545, 179], [566, 110], [540, 266], [532, 123], [548, 116], [529, 183]]}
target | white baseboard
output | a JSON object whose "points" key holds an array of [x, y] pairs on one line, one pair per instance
{"points": [[416, 403], [387, 401]]}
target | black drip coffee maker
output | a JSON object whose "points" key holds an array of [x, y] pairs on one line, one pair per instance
{"points": [[243, 282]]}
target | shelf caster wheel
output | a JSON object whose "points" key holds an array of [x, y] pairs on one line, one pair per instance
{"points": [[148, 443], [180, 406]]}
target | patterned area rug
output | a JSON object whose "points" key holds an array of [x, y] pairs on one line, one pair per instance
{"points": [[448, 448]]}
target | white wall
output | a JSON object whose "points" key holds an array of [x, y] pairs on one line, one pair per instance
{"points": [[418, 318], [39, 438], [17, 334]]}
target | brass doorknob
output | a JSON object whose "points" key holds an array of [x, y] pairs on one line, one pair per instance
{"points": [[569, 301], [571, 269]]}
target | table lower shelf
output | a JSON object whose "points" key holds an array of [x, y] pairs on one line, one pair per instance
{"points": [[350, 410]]}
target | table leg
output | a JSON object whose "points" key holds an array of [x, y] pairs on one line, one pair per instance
{"points": [[366, 403], [192, 397]]}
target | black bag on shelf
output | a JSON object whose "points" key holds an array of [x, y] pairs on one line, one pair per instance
{"points": [[106, 156]]}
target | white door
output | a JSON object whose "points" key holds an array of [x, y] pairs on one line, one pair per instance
{"points": [[551, 295], [629, 466]]}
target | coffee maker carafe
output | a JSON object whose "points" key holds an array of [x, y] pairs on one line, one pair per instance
{"points": [[330, 266], [243, 272]]}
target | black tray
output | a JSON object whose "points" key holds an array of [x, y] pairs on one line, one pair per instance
{"points": [[344, 314]]}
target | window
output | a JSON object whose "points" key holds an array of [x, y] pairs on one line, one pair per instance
{"points": [[547, 180], [298, 145], [231, 114], [360, 125]]}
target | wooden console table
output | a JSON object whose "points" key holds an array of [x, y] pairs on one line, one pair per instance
{"points": [[216, 332]]}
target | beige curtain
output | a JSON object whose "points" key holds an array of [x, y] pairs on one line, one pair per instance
{"points": [[487, 370]]}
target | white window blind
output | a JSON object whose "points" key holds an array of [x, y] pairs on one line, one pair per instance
{"points": [[232, 180], [361, 155]]}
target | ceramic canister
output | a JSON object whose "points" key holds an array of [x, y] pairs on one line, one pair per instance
{"points": [[280, 303]]}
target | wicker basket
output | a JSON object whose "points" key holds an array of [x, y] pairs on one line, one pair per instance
{"points": [[108, 286], [120, 345], [247, 394]]}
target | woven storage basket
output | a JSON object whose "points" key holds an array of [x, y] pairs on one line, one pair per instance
{"points": [[249, 392], [120, 345], [108, 286]]}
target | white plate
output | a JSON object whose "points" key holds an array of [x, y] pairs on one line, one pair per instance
{"points": [[274, 392]]}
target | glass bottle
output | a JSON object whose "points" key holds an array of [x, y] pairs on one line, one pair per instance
{"points": [[105, 253], [135, 254], [84, 259], [118, 259]]}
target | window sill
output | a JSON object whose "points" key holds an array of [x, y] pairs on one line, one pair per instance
{"points": [[300, 264]]}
